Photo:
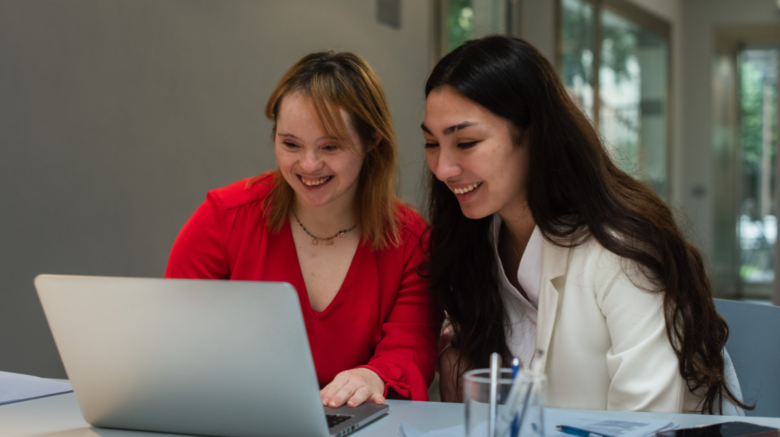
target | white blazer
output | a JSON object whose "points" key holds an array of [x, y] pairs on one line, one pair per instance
{"points": [[604, 336]]}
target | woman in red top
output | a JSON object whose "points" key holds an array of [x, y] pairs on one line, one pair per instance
{"points": [[327, 221]]}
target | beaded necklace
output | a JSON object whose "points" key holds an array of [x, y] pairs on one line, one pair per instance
{"points": [[329, 240]]}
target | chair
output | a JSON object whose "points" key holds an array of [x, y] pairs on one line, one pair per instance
{"points": [[754, 346]]}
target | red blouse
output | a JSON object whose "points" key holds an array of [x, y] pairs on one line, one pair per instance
{"points": [[382, 318]]}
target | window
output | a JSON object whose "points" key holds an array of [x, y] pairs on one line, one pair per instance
{"points": [[614, 60], [462, 20], [758, 138]]}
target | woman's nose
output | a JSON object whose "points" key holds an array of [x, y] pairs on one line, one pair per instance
{"points": [[311, 162], [443, 164]]}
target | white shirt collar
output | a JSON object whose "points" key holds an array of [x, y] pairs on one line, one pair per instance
{"points": [[529, 273]]}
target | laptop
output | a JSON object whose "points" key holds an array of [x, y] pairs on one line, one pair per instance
{"points": [[203, 357]]}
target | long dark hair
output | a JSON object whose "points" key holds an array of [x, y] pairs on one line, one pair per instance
{"points": [[575, 192]]}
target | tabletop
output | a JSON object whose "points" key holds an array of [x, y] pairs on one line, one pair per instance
{"points": [[59, 416]]}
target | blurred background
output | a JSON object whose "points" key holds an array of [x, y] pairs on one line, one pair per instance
{"points": [[116, 118]]}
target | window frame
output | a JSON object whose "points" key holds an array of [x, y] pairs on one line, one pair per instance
{"points": [[439, 40], [646, 20]]}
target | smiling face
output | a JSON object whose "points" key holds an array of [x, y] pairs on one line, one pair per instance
{"points": [[320, 168], [472, 150]]}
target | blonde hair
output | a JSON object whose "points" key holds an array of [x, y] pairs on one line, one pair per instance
{"points": [[333, 81]]}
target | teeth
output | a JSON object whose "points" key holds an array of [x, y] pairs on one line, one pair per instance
{"points": [[313, 183], [467, 189]]}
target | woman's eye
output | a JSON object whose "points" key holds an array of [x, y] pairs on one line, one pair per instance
{"points": [[290, 145], [431, 145], [331, 147], [467, 145]]}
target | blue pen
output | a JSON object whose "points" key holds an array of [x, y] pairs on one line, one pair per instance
{"points": [[579, 432], [515, 370]]}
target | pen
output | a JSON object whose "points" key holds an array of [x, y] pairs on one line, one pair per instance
{"points": [[495, 368], [515, 366], [515, 371], [579, 432]]}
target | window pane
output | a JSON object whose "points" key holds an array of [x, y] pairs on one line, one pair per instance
{"points": [[577, 52], [460, 23], [468, 19], [632, 87], [758, 131]]}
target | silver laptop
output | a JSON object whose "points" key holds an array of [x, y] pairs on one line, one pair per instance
{"points": [[224, 358]]}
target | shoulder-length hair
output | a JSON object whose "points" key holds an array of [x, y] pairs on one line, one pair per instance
{"points": [[331, 81], [575, 192]]}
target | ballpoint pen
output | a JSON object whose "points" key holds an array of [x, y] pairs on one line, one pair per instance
{"points": [[515, 371], [579, 432]]}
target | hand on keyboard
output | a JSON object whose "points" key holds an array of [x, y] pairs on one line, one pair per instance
{"points": [[353, 387]]}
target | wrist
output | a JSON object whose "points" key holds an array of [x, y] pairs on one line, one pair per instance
{"points": [[373, 379]]}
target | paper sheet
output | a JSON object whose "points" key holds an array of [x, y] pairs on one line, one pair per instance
{"points": [[617, 427], [15, 387]]}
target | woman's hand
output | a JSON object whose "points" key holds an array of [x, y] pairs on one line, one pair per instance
{"points": [[353, 387]]}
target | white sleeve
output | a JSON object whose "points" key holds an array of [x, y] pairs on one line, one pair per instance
{"points": [[642, 365]]}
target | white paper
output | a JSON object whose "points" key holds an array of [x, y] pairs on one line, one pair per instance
{"points": [[616, 427], [16, 387], [611, 426]]}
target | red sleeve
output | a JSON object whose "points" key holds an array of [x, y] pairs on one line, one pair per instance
{"points": [[199, 250], [405, 358]]}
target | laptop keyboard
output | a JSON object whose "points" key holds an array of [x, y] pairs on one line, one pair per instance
{"points": [[335, 419]]}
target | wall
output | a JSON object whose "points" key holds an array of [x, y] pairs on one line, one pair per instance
{"points": [[116, 118], [537, 25]]}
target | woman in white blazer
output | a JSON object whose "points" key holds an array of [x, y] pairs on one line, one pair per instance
{"points": [[538, 241]]}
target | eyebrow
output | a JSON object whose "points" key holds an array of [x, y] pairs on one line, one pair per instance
{"points": [[284, 134], [451, 129]]}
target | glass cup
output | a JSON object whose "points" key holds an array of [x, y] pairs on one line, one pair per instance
{"points": [[520, 412], [476, 396]]}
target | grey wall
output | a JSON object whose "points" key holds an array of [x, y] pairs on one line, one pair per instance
{"points": [[537, 25], [116, 117]]}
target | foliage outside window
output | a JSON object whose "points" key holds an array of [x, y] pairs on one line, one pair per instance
{"points": [[758, 77], [468, 19], [460, 23], [617, 70]]}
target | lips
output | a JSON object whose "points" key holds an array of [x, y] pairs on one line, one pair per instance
{"points": [[466, 189], [313, 182]]}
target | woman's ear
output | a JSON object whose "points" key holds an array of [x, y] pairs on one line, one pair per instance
{"points": [[374, 143], [520, 136]]}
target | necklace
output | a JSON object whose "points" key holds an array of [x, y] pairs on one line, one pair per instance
{"points": [[329, 240]]}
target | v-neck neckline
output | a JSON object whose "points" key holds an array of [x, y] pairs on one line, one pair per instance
{"points": [[287, 230]]}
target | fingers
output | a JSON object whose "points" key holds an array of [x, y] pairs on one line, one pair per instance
{"points": [[348, 391], [363, 394], [360, 396], [353, 387], [349, 387], [377, 399], [333, 388]]}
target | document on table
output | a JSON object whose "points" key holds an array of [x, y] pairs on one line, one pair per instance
{"points": [[603, 425], [16, 387]]}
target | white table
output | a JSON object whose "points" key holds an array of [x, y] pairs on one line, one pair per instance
{"points": [[59, 416]]}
